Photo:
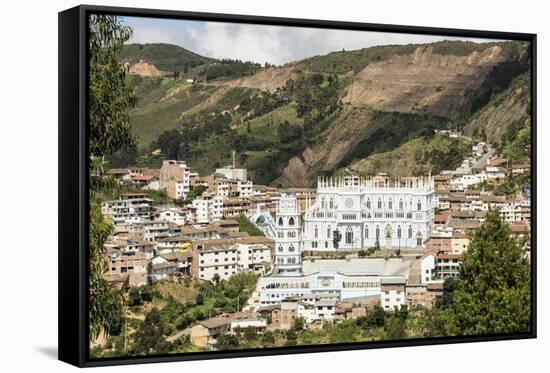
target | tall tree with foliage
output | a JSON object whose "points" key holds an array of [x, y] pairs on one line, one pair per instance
{"points": [[105, 303], [111, 97], [111, 93], [149, 338], [493, 292]]}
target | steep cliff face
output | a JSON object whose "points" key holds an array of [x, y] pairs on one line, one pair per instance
{"points": [[443, 87], [266, 80], [425, 82], [145, 69], [505, 113]]}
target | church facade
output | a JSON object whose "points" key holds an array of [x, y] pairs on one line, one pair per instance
{"points": [[365, 213], [341, 279]]}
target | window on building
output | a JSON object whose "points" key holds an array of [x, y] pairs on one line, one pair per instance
{"points": [[398, 231], [390, 204], [379, 203], [419, 239], [291, 248], [410, 231], [280, 222], [349, 236], [291, 221], [400, 204], [316, 231], [419, 206], [366, 231], [328, 232], [377, 232], [326, 244], [331, 203], [368, 203]]}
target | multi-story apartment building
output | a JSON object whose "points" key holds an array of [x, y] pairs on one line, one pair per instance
{"points": [[208, 208], [226, 257], [175, 178], [392, 292], [129, 209], [437, 267]]}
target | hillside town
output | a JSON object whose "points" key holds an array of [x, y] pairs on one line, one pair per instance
{"points": [[321, 255]]}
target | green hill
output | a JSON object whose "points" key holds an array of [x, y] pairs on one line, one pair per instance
{"points": [[347, 109], [166, 57]]}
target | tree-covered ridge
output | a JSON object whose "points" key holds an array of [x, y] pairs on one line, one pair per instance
{"points": [[355, 60], [166, 57]]}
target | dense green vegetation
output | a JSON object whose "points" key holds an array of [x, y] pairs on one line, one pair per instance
{"points": [[246, 226], [229, 69], [493, 290], [249, 121], [164, 308], [432, 153], [509, 186], [165, 57], [517, 148], [111, 96]]}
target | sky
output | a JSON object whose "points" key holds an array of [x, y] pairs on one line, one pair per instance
{"points": [[260, 43]]}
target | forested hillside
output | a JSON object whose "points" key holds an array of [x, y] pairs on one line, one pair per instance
{"points": [[355, 110]]}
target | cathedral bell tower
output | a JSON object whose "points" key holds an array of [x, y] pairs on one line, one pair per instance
{"points": [[288, 240]]}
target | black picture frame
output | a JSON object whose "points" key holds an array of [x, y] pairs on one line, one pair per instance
{"points": [[73, 183]]}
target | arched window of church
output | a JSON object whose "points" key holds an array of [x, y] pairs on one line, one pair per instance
{"points": [[410, 231], [280, 248], [379, 203], [377, 232], [398, 231], [419, 206], [368, 203], [366, 231], [328, 232], [316, 231], [390, 204], [331, 203], [418, 239], [280, 222], [349, 236], [400, 204], [388, 231], [291, 248], [291, 221]]}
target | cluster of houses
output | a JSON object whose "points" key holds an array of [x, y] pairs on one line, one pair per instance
{"points": [[429, 221]]}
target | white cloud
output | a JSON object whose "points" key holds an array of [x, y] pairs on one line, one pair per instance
{"points": [[260, 43]]}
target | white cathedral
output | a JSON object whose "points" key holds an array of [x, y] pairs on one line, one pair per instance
{"points": [[398, 214], [369, 213]]}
